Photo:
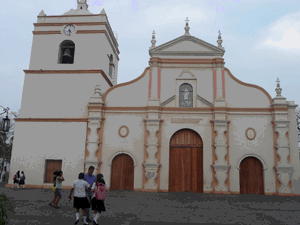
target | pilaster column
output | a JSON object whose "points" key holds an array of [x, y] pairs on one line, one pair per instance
{"points": [[151, 165], [221, 165], [153, 85], [219, 100], [94, 123], [284, 168]]}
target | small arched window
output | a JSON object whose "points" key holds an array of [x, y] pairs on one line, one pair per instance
{"points": [[66, 52], [111, 64], [186, 95]]}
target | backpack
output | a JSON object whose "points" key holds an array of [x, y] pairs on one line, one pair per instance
{"points": [[100, 192], [15, 177]]}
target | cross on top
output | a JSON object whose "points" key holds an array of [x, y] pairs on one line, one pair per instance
{"points": [[153, 32], [277, 80], [187, 20]]}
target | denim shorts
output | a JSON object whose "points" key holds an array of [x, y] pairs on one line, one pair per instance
{"points": [[58, 192]]}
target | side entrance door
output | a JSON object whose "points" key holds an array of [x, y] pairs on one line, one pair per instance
{"points": [[122, 173]]}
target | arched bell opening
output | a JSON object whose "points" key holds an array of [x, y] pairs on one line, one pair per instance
{"points": [[66, 52]]}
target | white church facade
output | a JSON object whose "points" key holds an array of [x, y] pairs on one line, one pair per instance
{"points": [[186, 124]]}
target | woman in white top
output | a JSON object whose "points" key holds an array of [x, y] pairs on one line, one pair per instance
{"points": [[80, 199]]}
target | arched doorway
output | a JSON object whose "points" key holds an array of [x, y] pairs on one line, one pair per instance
{"points": [[122, 173], [251, 176], [186, 162]]}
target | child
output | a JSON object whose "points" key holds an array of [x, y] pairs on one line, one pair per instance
{"points": [[58, 187], [15, 178], [97, 205], [80, 198], [54, 182], [22, 179]]}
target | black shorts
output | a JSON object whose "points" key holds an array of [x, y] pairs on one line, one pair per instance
{"points": [[81, 203], [16, 181], [98, 205]]}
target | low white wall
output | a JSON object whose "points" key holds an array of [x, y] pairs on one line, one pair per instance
{"points": [[35, 142]]}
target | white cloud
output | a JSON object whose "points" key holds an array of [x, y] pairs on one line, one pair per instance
{"points": [[282, 36]]}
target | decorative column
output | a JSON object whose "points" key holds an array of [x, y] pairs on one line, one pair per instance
{"points": [[151, 165], [220, 166], [94, 123], [284, 169]]}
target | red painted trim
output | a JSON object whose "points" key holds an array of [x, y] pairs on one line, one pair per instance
{"points": [[223, 83], [150, 81], [159, 82], [215, 83]]}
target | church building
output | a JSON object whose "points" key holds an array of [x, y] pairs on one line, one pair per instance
{"points": [[185, 124]]}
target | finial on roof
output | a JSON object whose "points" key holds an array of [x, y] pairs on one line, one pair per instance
{"points": [[153, 41], [220, 40], [278, 89], [103, 12], [42, 13], [82, 5], [116, 35], [97, 91], [187, 28]]}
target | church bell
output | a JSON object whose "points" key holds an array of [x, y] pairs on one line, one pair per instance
{"points": [[67, 58]]}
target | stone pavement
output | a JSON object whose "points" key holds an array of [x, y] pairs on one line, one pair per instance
{"points": [[144, 208]]}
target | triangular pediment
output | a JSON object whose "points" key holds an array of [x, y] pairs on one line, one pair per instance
{"points": [[187, 45]]}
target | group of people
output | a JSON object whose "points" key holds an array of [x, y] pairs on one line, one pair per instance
{"points": [[19, 179], [88, 190]]}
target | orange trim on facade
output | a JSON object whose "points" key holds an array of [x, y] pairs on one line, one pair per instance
{"points": [[214, 157], [249, 85], [62, 24], [187, 61], [215, 83], [68, 72], [159, 82], [124, 84], [73, 15], [86, 154], [100, 133], [150, 80], [146, 135], [90, 31], [223, 83], [158, 154], [51, 120], [46, 32]]}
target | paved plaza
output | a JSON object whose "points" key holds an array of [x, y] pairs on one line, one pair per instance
{"points": [[144, 208]]}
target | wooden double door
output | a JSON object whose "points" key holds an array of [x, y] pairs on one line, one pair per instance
{"points": [[251, 176], [122, 173], [186, 162]]}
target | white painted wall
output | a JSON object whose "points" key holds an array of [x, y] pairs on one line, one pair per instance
{"points": [[133, 144], [261, 147], [35, 142], [59, 95], [241, 96]]}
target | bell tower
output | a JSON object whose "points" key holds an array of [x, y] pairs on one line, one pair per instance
{"points": [[71, 54]]}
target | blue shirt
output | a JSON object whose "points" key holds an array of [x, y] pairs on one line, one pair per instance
{"points": [[90, 179]]}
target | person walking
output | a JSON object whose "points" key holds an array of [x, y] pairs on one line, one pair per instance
{"points": [[99, 193], [80, 197], [22, 179], [58, 187], [54, 182], [90, 178], [16, 180]]}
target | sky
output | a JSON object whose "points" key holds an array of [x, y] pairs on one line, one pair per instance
{"points": [[261, 37]]}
